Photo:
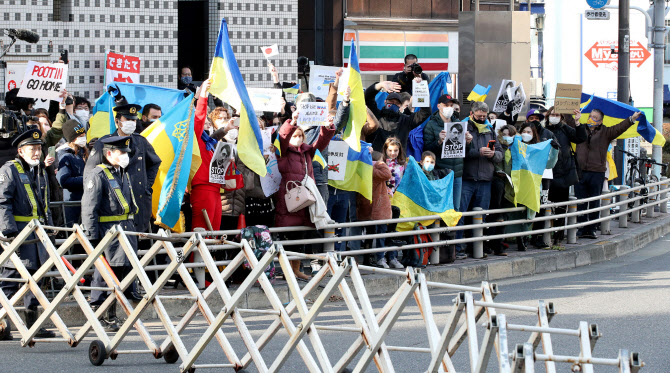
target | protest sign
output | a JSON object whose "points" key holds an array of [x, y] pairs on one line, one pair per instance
{"points": [[14, 73], [568, 97], [223, 154], [420, 94], [337, 160], [510, 91], [498, 124], [320, 78], [312, 114], [43, 80], [270, 182], [454, 144], [266, 99], [122, 68], [266, 134]]}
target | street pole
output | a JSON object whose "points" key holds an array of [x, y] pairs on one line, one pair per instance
{"points": [[623, 74], [659, 47]]}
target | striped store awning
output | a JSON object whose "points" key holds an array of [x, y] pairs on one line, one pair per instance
{"points": [[382, 52]]}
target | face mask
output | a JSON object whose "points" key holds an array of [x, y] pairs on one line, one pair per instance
{"points": [[296, 141], [82, 115], [128, 127], [526, 137], [80, 141], [429, 167], [124, 160], [32, 162], [187, 79], [508, 140], [478, 121], [554, 120], [447, 112], [591, 123], [393, 108]]}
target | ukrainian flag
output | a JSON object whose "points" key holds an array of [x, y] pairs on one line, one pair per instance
{"points": [[528, 164], [173, 139], [417, 196], [357, 110], [227, 84], [611, 165], [318, 157], [479, 93], [293, 90], [358, 176], [615, 112], [102, 114]]}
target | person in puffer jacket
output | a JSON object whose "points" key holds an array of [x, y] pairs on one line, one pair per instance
{"points": [[71, 163]]}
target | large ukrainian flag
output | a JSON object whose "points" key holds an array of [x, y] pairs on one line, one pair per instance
{"points": [[173, 139], [358, 176], [417, 196], [357, 110], [102, 114], [227, 84], [615, 112], [528, 164]]}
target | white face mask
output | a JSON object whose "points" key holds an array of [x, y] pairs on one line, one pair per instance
{"points": [[82, 115], [124, 160], [80, 141], [128, 127], [526, 137], [554, 120], [32, 162], [447, 112]]}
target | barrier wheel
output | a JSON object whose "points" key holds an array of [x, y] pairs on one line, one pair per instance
{"points": [[5, 331], [171, 355], [97, 353], [346, 370]]}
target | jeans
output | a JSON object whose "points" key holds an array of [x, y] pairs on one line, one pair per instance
{"points": [[380, 229], [340, 202], [475, 194], [590, 185], [458, 188]]}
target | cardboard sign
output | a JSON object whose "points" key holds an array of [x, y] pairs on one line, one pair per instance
{"points": [[454, 144], [122, 68], [14, 74], [320, 78], [337, 160], [420, 94], [44, 80], [223, 154], [312, 114], [271, 181], [568, 97], [510, 91], [266, 99]]}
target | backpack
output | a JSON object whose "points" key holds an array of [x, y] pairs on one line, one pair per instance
{"points": [[418, 258], [260, 241]]}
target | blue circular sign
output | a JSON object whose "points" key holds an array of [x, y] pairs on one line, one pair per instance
{"points": [[597, 4]]}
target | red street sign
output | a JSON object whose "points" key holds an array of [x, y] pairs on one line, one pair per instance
{"points": [[602, 53]]}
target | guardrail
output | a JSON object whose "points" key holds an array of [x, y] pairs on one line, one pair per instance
{"points": [[474, 309]]}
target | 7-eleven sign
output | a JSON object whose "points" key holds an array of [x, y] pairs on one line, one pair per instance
{"points": [[601, 53]]}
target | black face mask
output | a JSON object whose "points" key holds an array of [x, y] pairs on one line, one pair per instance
{"points": [[457, 114], [478, 121]]}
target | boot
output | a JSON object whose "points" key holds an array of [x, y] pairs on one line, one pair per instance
{"points": [[5, 331], [295, 265], [31, 317], [521, 244]]}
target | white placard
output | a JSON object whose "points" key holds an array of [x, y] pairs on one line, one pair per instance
{"points": [[223, 154], [266, 134], [320, 78], [498, 124], [44, 80], [548, 173], [266, 99], [420, 94], [271, 181], [510, 91], [312, 114], [454, 144], [14, 76], [337, 160]]}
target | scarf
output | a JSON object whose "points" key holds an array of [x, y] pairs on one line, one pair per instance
{"points": [[210, 143], [482, 128]]}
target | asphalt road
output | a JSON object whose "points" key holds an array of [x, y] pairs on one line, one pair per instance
{"points": [[629, 299]]}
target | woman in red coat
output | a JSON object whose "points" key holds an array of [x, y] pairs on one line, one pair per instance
{"points": [[296, 157]]}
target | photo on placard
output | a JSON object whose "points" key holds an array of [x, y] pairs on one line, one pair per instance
{"points": [[223, 155], [454, 143]]}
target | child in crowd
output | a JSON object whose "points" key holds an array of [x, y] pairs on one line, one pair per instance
{"points": [[428, 166], [395, 159]]}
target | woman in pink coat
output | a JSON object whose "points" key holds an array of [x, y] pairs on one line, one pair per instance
{"points": [[296, 158]]}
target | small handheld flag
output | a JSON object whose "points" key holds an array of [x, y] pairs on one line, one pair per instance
{"points": [[479, 93], [270, 51]]}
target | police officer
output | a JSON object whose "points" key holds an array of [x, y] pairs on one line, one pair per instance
{"points": [[142, 168], [109, 200], [24, 196]]}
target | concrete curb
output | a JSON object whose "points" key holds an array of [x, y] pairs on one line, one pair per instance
{"points": [[622, 242]]}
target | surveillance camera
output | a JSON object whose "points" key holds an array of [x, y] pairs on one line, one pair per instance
{"points": [[612, 49]]}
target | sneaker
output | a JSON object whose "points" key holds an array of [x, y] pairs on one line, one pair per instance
{"points": [[590, 235], [109, 325], [316, 266], [396, 264], [382, 263], [461, 256]]}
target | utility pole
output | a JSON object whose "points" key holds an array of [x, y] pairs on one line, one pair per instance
{"points": [[623, 74], [659, 47]]}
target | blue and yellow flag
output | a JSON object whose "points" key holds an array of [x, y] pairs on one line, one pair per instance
{"points": [[479, 93], [418, 196], [293, 90], [173, 139], [318, 158], [528, 164], [358, 175], [615, 112], [227, 84], [611, 165], [357, 110], [102, 113]]}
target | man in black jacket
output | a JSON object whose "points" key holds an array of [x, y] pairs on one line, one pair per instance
{"points": [[405, 77]]}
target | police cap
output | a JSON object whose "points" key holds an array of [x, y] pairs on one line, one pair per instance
{"points": [[32, 136], [128, 110], [121, 143]]}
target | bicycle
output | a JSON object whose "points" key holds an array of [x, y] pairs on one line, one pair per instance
{"points": [[634, 174]]}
